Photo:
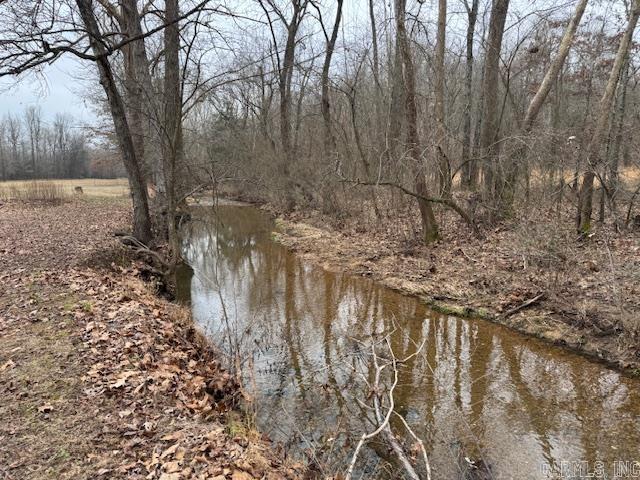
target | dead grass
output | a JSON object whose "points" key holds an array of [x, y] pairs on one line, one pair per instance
{"points": [[35, 191], [21, 189], [50, 422]]}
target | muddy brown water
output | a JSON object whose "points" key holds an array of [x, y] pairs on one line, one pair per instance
{"points": [[488, 403]]}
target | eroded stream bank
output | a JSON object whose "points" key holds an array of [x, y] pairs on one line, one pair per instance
{"points": [[99, 377], [476, 390]]}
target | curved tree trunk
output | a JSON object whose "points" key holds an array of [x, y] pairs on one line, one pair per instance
{"points": [[141, 220], [585, 203], [506, 185]]}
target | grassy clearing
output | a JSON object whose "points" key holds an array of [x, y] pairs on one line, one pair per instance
{"points": [[53, 190]]}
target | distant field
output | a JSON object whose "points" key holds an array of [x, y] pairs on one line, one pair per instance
{"points": [[90, 186]]}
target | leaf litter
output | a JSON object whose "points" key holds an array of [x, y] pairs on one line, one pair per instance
{"points": [[99, 377]]}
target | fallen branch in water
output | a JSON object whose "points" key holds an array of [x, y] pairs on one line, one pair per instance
{"points": [[384, 427], [420, 443]]}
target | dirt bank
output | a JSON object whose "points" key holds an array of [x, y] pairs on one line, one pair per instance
{"points": [[99, 378], [584, 296]]}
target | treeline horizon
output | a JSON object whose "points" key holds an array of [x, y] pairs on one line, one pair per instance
{"points": [[32, 148]]}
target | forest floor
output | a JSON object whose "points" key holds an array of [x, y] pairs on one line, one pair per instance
{"points": [[533, 276], [99, 377]]}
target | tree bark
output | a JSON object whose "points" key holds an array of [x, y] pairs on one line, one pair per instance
{"points": [[141, 220], [468, 172], [286, 73], [429, 224], [378, 94], [614, 161], [173, 144], [133, 86], [585, 203], [554, 70], [374, 46], [491, 79], [329, 139], [444, 168]]}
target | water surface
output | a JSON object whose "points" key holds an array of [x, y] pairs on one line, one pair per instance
{"points": [[474, 390]]}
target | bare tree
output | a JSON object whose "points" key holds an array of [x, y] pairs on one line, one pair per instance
{"points": [[617, 133], [330, 141], [585, 206], [285, 68], [507, 182], [142, 220], [42, 33], [468, 166], [444, 168], [172, 138], [33, 120], [14, 128], [491, 79], [429, 224]]}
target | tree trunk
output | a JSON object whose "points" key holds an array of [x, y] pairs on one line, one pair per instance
{"points": [[374, 46], [585, 203], [133, 87], [429, 225], [554, 70], [614, 160], [173, 144], [490, 114], [378, 94], [329, 139], [468, 173], [444, 168], [141, 220], [285, 75], [397, 104]]}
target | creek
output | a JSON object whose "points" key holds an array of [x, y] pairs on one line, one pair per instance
{"points": [[487, 402]]}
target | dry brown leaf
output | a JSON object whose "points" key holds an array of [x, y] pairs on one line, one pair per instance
{"points": [[170, 476], [46, 408], [171, 467], [240, 475], [173, 436], [9, 364], [169, 451]]}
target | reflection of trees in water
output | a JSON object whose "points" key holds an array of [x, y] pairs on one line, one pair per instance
{"points": [[470, 381]]}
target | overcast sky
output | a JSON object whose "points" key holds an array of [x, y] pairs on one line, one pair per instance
{"points": [[60, 89]]}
